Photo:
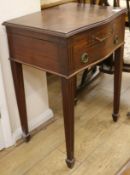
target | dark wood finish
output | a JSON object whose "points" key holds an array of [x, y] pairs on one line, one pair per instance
{"points": [[20, 96], [31, 50], [66, 20], [68, 94], [65, 40], [118, 64]]}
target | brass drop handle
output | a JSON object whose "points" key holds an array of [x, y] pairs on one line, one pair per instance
{"points": [[84, 58], [116, 39], [101, 39]]}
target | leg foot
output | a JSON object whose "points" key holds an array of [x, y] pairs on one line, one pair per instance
{"points": [[27, 138], [70, 163], [115, 117]]}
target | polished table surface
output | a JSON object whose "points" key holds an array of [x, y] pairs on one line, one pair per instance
{"points": [[64, 40], [68, 19]]}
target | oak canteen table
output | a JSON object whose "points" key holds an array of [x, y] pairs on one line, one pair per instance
{"points": [[64, 40]]}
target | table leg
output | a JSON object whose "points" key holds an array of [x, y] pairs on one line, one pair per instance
{"points": [[117, 82], [68, 94], [116, 3], [20, 97]]}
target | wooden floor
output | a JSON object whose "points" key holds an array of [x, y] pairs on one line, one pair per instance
{"points": [[102, 146]]}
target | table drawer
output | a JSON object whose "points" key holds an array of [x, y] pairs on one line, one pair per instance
{"points": [[97, 43]]}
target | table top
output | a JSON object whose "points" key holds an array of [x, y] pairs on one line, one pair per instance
{"points": [[67, 19]]}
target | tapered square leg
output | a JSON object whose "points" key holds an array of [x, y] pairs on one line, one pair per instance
{"points": [[68, 94], [20, 97], [117, 82]]}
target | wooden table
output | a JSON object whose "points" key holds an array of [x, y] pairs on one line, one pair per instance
{"points": [[64, 40]]}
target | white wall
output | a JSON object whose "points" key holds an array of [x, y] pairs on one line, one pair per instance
{"points": [[35, 81], [6, 138]]}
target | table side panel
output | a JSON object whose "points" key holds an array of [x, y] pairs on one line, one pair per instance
{"points": [[47, 54]]}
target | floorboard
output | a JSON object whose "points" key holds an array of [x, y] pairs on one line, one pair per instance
{"points": [[102, 147]]}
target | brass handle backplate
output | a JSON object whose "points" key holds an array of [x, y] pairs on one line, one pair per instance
{"points": [[84, 58]]}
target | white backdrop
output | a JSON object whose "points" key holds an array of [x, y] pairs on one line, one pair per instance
{"points": [[35, 81]]}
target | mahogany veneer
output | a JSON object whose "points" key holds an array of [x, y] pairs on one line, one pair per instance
{"points": [[64, 40]]}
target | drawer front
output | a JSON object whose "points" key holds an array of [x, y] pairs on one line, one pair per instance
{"points": [[97, 43]]}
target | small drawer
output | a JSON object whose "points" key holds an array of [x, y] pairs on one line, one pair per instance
{"points": [[93, 36], [101, 34]]}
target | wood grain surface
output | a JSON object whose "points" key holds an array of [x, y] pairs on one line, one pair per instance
{"points": [[67, 19]]}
